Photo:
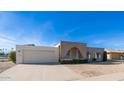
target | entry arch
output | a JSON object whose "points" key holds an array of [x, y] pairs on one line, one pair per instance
{"points": [[74, 53]]}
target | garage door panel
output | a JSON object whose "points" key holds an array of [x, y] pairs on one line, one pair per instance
{"points": [[39, 56]]}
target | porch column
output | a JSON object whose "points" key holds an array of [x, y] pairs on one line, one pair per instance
{"points": [[77, 55]]}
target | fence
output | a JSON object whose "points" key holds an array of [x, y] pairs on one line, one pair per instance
{"points": [[3, 58]]}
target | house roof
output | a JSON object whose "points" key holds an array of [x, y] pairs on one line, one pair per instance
{"points": [[114, 51], [74, 42]]}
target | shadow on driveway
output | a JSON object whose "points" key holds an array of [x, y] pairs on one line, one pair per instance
{"points": [[52, 63], [108, 62], [93, 63]]}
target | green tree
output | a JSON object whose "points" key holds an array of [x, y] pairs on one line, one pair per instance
{"points": [[105, 56], [12, 56]]}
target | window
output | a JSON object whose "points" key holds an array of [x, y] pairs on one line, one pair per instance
{"points": [[95, 55], [98, 55], [88, 55]]}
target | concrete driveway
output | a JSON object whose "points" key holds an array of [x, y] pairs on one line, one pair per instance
{"points": [[30, 72]]}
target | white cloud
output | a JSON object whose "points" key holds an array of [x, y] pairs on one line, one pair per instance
{"points": [[70, 31], [11, 33], [108, 42], [98, 41]]}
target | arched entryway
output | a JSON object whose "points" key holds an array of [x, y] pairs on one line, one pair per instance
{"points": [[74, 53]]}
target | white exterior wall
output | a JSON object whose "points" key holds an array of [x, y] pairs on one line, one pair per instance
{"points": [[109, 57], [20, 50]]}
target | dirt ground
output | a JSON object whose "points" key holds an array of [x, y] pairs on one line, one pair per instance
{"points": [[86, 70], [91, 70], [5, 65]]}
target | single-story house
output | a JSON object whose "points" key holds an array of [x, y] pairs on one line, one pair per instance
{"points": [[62, 51]]}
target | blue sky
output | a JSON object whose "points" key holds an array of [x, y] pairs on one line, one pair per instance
{"points": [[97, 29]]}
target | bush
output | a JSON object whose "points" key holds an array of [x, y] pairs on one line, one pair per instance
{"points": [[74, 61], [83, 61], [94, 59], [2, 53], [12, 56], [105, 56], [66, 62]]}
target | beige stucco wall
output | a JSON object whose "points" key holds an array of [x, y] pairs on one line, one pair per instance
{"points": [[66, 46], [92, 51]]}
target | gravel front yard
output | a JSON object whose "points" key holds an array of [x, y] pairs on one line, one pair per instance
{"points": [[5, 65], [91, 70]]}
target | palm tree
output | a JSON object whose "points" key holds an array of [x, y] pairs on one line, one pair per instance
{"points": [[12, 49], [5, 49]]}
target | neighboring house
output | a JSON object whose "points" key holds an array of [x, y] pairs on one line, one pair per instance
{"points": [[63, 51], [115, 54]]}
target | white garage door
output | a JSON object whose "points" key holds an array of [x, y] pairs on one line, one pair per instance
{"points": [[40, 56]]}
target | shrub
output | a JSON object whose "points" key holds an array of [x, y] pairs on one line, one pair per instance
{"points": [[83, 61], [105, 56], [94, 59], [66, 62], [74, 61], [12, 56]]}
